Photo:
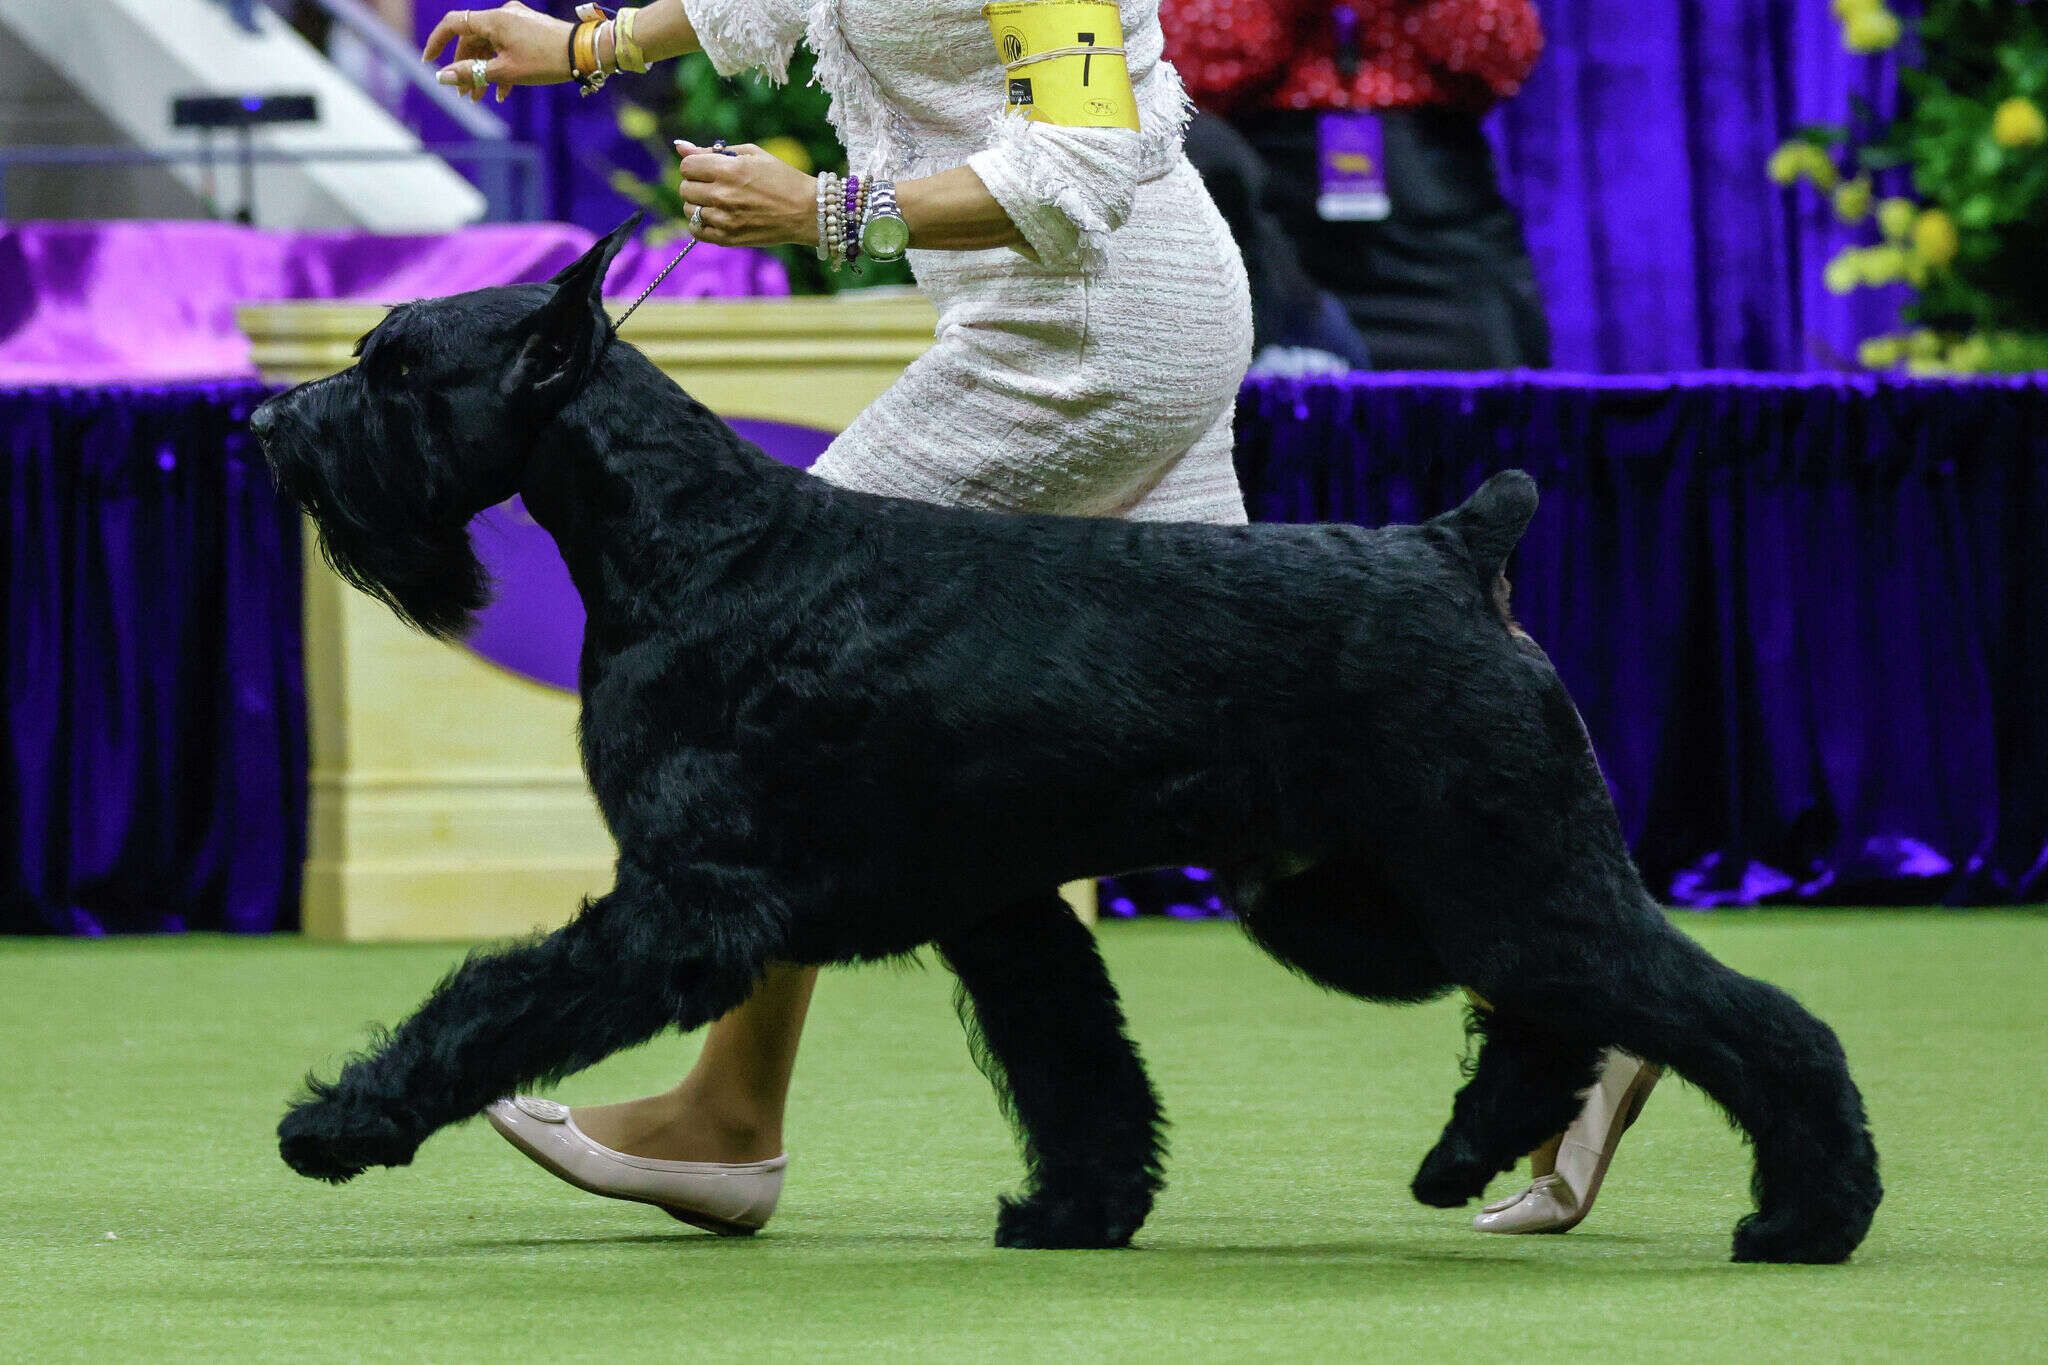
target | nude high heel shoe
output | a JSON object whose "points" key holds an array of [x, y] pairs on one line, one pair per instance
{"points": [[730, 1199], [1560, 1201]]}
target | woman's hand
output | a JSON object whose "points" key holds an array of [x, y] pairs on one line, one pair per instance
{"points": [[520, 46], [747, 199]]}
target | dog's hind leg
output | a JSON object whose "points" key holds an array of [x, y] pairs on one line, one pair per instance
{"points": [[1777, 1070], [1341, 926], [633, 962], [1525, 1089], [1049, 1035]]}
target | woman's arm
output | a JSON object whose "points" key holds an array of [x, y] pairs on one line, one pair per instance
{"points": [[663, 30], [752, 199], [522, 46]]}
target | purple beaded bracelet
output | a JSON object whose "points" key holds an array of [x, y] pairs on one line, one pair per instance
{"points": [[852, 216]]}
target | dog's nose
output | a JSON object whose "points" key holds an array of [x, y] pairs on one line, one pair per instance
{"points": [[264, 418]]}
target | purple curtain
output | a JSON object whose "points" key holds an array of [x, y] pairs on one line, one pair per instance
{"points": [[152, 707], [1805, 617], [1636, 154]]}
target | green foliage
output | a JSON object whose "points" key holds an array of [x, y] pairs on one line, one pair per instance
{"points": [[788, 120], [1971, 140]]}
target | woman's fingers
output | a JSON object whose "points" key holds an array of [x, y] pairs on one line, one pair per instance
{"points": [[520, 46], [460, 25], [702, 163], [707, 192]]}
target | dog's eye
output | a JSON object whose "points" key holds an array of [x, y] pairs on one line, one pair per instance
{"points": [[404, 370]]}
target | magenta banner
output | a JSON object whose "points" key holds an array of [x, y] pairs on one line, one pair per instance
{"points": [[154, 302]]}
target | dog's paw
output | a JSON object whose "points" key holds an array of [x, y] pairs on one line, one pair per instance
{"points": [[1452, 1174], [1792, 1240], [1047, 1221], [329, 1140]]}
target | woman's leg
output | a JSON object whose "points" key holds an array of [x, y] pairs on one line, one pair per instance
{"points": [[1610, 1107], [729, 1108]]}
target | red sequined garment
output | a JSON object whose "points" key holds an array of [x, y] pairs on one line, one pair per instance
{"points": [[1238, 55]]}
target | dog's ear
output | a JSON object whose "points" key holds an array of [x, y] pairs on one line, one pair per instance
{"points": [[563, 337]]}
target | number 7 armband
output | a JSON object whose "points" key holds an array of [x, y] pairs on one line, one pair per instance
{"points": [[1063, 62]]}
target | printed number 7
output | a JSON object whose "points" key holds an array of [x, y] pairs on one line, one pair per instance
{"points": [[1087, 40]]}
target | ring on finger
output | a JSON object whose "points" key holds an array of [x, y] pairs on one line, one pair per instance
{"points": [[697, 220], [477, 69]]}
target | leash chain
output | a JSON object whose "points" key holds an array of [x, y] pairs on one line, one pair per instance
{"points": [[655, 285], [720, 148]]}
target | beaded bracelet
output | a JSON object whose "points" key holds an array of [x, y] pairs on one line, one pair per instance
{"points": [[849, 213], [828, 190]]}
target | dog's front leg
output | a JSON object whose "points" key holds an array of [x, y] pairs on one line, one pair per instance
{"points": [[631, 963]]}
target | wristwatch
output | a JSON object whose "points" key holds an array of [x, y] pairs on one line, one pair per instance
{"points": [[884, 236]]}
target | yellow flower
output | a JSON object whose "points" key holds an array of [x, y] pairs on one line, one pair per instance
{"points": [[1883, 264], [1852, 200], [2018, 123], [1871, 30], [1925, 369], [1844, 272], [1934, 238], [790, 150], [1895, 219], [627, 185], [1796, 161], [1786, 164], [1879, 352], [1969, 355], [1846, 9], [1923, 345], [637, 123], [1820, 169]]}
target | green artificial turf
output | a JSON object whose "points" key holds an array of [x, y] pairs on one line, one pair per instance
{"points": [[144, 1215]]}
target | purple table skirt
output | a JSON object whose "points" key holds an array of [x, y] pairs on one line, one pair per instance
{"points": [[1804, 616], [154, 302]]}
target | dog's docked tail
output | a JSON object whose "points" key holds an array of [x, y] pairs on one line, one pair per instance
{"points": [[1492, 520]]}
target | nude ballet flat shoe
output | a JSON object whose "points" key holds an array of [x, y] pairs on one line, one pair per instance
{"points": [[732, 1200], [1560, 1202], [1546, 1206]]}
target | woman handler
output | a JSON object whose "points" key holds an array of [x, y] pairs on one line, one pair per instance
{"points": [[1094, 325]]}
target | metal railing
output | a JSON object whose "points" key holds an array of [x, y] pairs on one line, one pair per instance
{"points": [[515, 167], [397, 54]]}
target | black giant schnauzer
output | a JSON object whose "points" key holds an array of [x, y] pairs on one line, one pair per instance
{"points": [[828, 727]]}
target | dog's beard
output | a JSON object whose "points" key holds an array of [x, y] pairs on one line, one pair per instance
{"points": [[380, 530], [429, 576]]}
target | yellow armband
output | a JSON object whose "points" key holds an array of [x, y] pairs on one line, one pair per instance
{"points": [[1063, 61]]}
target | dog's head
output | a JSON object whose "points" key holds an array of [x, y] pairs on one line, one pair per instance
{"points": [[436, 421]]}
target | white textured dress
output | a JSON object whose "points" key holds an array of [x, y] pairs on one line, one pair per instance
{"points": [[1094, 373]]}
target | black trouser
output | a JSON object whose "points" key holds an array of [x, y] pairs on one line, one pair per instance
{"points": [[1444, 282]]}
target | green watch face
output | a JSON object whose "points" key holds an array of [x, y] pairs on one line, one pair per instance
{"points": [[884, 237]]}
